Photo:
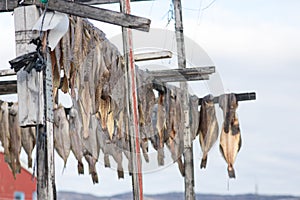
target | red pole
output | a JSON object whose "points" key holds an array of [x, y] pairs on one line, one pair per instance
{"points": [[132, 107]]}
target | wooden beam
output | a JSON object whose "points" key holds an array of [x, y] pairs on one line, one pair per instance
{"points": [[95, 2], [183, 74], [10, 5], [239, 97], [152, 55], [86, 11], [7, 72], [189, 181], [8, 87], [132, 108]]}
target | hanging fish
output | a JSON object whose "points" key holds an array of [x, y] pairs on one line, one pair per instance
{"points": [[230, 142], [91, 148], [75, 127], [28, 138], [208, 128], [15, 139], [160, 126], [62, 142], [4, 130], [194, 115]]}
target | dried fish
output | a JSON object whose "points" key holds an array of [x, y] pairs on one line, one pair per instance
{"points": [[208, 128], [62, 142], [15, 140], [161, 126], [75, 128], [4, 130], [91, 148], [230, 142], [28, 138]]}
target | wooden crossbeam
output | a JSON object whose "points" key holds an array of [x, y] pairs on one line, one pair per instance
{"points": [[86, 11], [7, 72], [239, 97], [8, 87], [10, 5], [95, 2], [152, 56], [183, 74]]}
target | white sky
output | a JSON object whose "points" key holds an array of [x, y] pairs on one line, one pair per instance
{"points": [[255, 46]]}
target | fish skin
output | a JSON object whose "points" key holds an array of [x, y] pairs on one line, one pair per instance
{"points": [[62, 142], [4, 129], [28, 139], [66, 54], [110, 148], [15, 140], [85, 108], [75, 128], [91, 148], [175, 127], [228, 104], [146, 99], [230, 141], [194, 115], [161, 126], [208, 127]]}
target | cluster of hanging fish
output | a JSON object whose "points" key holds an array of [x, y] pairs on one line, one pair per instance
{"points": [[94, 76], [13, 137], [230, 139]]}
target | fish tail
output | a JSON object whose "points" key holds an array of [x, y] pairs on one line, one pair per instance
{"points": [[106, 160], [80, 168], [231, 172], [203, 162], [120, 173], [160, 157], [94, 177]]}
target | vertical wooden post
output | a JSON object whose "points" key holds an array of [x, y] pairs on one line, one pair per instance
{"points": [[132, 107], [35, 101], [188, 145], [45, 146]]}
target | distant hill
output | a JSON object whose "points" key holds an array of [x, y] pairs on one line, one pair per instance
{"points": [[174, 196]]}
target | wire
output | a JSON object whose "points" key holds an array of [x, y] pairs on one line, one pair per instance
{"points": [[211, 3]]}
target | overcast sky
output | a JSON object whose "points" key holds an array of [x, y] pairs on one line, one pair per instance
{"points": [[255, 46]]}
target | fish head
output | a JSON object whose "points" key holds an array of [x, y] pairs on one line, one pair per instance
{"points": [[14, 109]]}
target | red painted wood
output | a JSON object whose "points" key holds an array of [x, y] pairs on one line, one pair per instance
{"points": [[9, 185]]}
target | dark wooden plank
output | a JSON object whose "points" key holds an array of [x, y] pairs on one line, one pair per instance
{"points": [[10, 5], [239, 97], [7, 72], [8, 87], [183, 74], [95, 2], [86, 11]]}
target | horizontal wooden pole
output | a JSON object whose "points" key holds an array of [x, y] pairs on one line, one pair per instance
{"points": [[10, 5], [95, 2], [239, 97], [7, 72], [86, 11], [152, 56], [183, 74], [8, 87]]}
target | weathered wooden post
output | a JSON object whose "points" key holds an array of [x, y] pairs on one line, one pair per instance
{"points": [[132, 107], [35, 101], [188, 145]]}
